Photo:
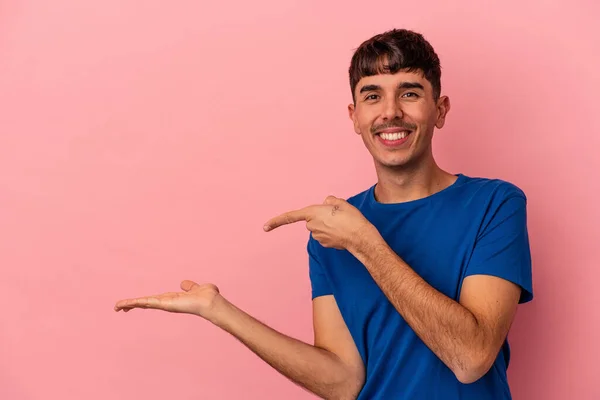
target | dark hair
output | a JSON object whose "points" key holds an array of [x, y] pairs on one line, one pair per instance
{"points": [[394, 50]]}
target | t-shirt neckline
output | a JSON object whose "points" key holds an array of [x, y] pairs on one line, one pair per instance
{"points": [[373, 202]]}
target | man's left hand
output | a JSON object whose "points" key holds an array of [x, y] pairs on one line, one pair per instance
{"points": [[335, 223]]}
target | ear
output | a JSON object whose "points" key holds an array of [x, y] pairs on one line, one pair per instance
{"points": [[443, 107], [352, 115]]}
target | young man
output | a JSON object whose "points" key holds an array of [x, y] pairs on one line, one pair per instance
{"points": [[416, 280]]}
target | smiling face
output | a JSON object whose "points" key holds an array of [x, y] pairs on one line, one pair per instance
{"points": [[396, 115]]}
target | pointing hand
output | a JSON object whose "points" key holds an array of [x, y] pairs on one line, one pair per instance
{"points": [[335, 223]]}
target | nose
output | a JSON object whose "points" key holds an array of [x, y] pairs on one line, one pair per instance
{"points": [[391, 109]]}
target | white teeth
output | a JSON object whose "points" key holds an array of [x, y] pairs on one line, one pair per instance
{"points": [[394, 136]]}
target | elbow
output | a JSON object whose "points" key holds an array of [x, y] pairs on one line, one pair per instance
{"points": [[473, 370], [351, 388], [467, 377]]}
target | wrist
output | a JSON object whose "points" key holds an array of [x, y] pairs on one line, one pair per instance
{"points": [[218, 310], [366, 239]]}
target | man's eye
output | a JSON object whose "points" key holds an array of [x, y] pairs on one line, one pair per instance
{"points": [[371, 97], [410, 94]]}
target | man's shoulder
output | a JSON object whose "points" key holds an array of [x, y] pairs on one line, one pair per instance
{"points": [[465, 186], [494, 190]]}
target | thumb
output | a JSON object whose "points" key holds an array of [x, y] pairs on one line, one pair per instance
{"points": [[332, 200], [188, 285]]}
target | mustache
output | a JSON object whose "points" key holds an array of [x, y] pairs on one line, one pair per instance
{"points": [[394, 124]]}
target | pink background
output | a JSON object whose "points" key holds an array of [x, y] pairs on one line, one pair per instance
{"points": [[146, 142]]}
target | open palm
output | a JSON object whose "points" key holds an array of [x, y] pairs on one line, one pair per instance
{"points": [[195, 299]]}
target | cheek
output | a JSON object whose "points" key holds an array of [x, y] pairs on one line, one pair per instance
{"points": [[423, 118], [361, 124], [357, 128], [414, 112]]}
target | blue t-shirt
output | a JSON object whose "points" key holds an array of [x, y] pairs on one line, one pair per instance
{"points": [[475, 226]]}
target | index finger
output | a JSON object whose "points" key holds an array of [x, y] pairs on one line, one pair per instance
{"points": [[289, 218]]}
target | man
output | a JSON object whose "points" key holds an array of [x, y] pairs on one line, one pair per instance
{"points": [[416, 280]]}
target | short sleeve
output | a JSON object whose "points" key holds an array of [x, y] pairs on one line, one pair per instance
{"points": [[318, 278], [502, 247]]}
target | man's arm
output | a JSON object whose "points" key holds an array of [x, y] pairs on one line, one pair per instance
{"points": [[465, 335], [331, 369]]}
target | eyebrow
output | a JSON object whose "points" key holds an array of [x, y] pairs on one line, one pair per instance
{"points": [[402, 85]]}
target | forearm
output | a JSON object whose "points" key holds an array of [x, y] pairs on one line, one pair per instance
{"points": [[450, 330], [317, 370]]}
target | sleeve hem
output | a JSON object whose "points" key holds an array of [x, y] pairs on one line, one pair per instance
{"points": [[526, 293]]}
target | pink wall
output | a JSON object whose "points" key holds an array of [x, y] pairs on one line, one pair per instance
{"points": [[143, 143]]}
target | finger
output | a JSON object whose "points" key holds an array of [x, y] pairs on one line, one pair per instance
{"points": [[188, 285], [123, 305], [141, 302], [289, 218]]}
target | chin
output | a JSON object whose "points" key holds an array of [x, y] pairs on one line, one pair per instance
{"points": [[393, 164]]}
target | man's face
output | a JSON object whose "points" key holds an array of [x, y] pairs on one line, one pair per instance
{"points": [[396, 114]]}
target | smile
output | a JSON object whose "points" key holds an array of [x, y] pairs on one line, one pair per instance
{"points": [[394, 135], [394, 139]]}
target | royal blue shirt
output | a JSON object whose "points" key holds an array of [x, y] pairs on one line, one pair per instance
{"points": [[475, 226]]}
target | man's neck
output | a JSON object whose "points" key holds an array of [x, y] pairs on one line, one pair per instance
{"points": [[403, 185]]}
